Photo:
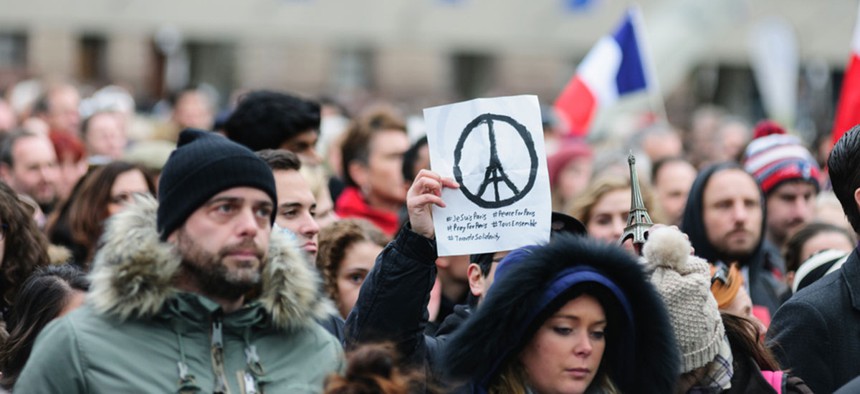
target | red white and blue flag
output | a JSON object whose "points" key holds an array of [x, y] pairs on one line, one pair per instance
{"points": [[614, 67], [848, 109]]}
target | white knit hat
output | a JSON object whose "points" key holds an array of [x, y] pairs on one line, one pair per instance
{"points": [[684, 283]]}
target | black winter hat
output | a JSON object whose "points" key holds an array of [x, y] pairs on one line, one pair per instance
{"points": [[202, 165]]}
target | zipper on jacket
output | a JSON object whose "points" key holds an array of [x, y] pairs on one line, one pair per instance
{"points": [[221, 385]]}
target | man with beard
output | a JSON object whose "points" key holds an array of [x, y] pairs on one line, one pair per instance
{"points": [[193, 293], [788, 176], [28, 164], [724, 218]]}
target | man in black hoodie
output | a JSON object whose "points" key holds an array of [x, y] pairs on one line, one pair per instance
{"points": [[725, 219]]}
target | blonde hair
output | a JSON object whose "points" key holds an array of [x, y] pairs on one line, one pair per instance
{"points": [[582, 206], [513, 380]]}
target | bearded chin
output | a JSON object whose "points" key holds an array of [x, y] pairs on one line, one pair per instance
{"points": [[212, 276], [216, 279]]}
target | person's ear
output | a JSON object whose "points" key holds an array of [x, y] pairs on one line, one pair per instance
{"points": [[5, 171], [359, 173], [476, 280], [857, 197]]}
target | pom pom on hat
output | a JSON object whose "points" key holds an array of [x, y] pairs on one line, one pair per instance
{"points": [[766, 128], [774, 157], [684, 283]]}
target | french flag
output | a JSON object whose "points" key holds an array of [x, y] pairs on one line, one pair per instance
{"points": [[613, 68], [848, 109]]}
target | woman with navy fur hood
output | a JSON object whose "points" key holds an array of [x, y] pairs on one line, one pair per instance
{"points": [[608, 329]]}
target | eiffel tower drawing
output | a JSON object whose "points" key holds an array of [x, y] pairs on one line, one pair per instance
{"points": [[638, 221], [495, 173]]}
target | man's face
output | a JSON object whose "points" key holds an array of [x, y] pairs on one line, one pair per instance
{"points": [[672, 186], [34, 170], [478, 282], [63, 112], [790, 206], [297, 209], [385, 164], [304, 145], [105, 136], [193, 109], [732, 213], [224, 242]]}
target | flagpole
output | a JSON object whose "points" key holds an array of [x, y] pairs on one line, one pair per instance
{"points": [[655, 95]]}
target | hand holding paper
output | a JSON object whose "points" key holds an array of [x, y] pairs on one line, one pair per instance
{"points": [[493, 148], [425, 192]]}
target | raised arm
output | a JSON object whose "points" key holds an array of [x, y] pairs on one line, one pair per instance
{"points": [[392, 304]]}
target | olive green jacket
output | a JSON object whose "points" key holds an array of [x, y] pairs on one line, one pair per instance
{"points": [[137, 334]]}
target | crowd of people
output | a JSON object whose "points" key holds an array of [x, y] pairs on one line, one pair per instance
{"points": [[282, 245]]}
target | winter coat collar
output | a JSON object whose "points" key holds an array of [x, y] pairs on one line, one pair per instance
{"points": [[351, 204], [851, 271], [133, 273]]}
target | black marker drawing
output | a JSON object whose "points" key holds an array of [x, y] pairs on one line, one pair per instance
{"points": [[495, 173]]}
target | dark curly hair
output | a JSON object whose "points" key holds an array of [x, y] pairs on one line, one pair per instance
{"points": [[25, 247], [842, 164], [334, 241], [375, 369], [266, 119], [42, 298]]}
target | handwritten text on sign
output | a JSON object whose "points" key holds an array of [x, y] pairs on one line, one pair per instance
{"points": [[494, 149]]}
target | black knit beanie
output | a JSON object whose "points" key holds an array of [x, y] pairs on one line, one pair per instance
{"points": [[203, 165]]}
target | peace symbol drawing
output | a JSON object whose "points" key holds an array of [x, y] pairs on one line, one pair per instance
{"points": [[498, 188]]}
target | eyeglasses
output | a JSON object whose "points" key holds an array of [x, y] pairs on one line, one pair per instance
{"points": [[124, 197], [4, 228], [721, 274]]}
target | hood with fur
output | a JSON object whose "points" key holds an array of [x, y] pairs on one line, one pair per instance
{"points": [[133, 273], [645, 358]]}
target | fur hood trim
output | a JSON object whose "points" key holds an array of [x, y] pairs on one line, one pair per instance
{"points": [[494, 335], [133, 273]]}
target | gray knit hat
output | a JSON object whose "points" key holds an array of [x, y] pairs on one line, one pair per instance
{"points": [[683, 282]]}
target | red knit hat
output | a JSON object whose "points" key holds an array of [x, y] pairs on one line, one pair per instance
{"points": [[774, 157], [569, 150]]}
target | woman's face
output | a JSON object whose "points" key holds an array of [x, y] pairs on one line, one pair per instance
{"points": [[124, 187], [357, 262], [824, 241], [741, 305], [564, 354], [609, 216]]}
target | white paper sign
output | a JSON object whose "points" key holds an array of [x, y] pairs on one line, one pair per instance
{"points": [[494, 149]]}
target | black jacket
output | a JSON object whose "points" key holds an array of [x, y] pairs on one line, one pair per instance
{"points": [[765, 288], [816, 333], [392, 303], [644, 359]]}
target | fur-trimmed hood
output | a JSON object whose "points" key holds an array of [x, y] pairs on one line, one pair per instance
{"points": [[133, 273], [644, 360]]}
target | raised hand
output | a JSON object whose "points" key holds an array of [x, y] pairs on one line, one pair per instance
{"points": [[426, 191]]}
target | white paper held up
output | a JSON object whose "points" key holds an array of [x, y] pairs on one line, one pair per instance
{"points": [[494, 149]]}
